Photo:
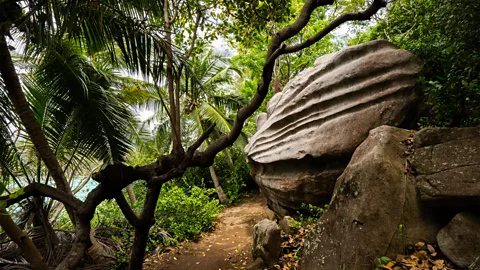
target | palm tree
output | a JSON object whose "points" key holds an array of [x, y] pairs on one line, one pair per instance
{"points": [[81, 115], [210, 101], [97, 26], [207, 99], [9, 160]]}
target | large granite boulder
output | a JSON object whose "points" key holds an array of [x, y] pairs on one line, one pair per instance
{"points": [[372, 197], [447, 163], [322, 115], [460, 240]]}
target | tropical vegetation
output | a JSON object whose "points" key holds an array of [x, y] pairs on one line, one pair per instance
{"points": [[101, 101]]}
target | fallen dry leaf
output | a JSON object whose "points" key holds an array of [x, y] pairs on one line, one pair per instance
{"points": [[420, 244]]}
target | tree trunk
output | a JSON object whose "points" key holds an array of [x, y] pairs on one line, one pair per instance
{"points": [[147, 219], [98, 251], [229, 158], [34, 131], [51, 239], [131, 194], [176, 138], [221, 195], [22, 240], [79, 247]]}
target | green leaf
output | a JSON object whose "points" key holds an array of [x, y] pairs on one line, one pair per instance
{"points": [[385, 259], [17, 193]]}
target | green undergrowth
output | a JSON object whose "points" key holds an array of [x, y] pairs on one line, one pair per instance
{"points": [[300, 226]]}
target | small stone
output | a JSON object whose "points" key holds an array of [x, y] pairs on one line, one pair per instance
{"points": [[270, 214], [460, 240], [284, 224]]}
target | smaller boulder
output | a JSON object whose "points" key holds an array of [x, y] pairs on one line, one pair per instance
{"points": [[372, 197], [270, 214], [284, 224], [267, 241], [460, 240]]}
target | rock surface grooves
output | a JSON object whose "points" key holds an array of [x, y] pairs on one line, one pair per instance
{"points": [[324, 113]]}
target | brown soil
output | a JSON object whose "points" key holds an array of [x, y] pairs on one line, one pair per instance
{"points": [[228, 246]]}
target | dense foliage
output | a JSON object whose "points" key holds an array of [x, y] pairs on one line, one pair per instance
{"points": [[180, 215], [133, 82], [446, 36]]}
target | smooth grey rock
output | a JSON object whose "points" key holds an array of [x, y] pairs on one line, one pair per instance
{"points": [[447, 161], [273, 102], [261, 119], [323, 114], [270, 214], [284, 224], [460, 240], [267, 241], [372, 198]]}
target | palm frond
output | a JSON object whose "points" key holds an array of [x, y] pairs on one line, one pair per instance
{"points": [[132, 27], [211, 114], [231, 103], [78, 107]]}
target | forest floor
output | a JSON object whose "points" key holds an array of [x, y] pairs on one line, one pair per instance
{"points": [[227, 246]]}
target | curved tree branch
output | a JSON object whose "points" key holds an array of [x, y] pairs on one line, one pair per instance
{"points": [[359, 16], [276, 49], [127, 210], [38, 189], [115, 177], [194, 38]]}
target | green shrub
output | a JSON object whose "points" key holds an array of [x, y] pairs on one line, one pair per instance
{"points": [[193, 177], [183, 215], [308, 214], [233, 180], [180, 215]]}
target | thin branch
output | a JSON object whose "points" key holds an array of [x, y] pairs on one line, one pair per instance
{"points": [[200, 140], [359, 16], [194, 38], [5, 261], [81, 184], [173, 173]]}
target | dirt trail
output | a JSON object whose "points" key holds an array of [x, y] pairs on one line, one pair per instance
{"points": [[226, 247]]}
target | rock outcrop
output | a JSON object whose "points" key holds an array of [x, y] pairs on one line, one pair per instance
{"points": [[460, 240], [266, 242], [372, 197], [322, 115], [447, 161]]}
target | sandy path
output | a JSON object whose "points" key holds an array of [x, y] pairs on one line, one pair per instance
{"points": [[227, 247]]}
